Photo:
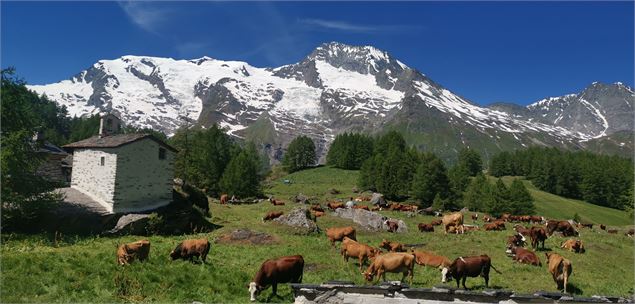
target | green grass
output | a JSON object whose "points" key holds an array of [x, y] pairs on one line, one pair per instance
{"points": [[557, 207], [38, 269]]}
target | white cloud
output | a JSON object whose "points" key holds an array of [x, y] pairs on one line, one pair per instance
{"points": [[351, 27], [145, 15]]}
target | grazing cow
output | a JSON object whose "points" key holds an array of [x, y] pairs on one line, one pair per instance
{"points": [[361, 251], [473, 266], [474, 217], [561, 226], [425, 258], [454, 219], [361, 207], [525, 256], [630, 232], [391, 246], [522, 230], [516, 240], [317, 207], [188, 249], [272, 215], [612, 231], [602, 226], [392, 225], [560, 269], [536, 219], [275, 202], [223, 199], [337, 234], [487, 218], [425, 227], [573, 245], [287, 269], [537, 235], [468, 228], [317, 213], [493, 227], [394, 262], [127, 253], [334, 206], [436, 222]]}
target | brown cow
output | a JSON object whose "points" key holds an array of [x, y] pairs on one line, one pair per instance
{"points": [[602, 226], [536, 219], [223, 199], [337, 234], [561, 226], [487, 218], [612, 231], [188, 249], [425, 258], [394, 262], [460, 229], [392, 225], [493, 227], [361, 207], [454, 219], [436, 222], [317, 207], [272, 215], [473, 266], [516, 240], [560, 269], [573, 245], [127, 253], [522, 230], [361, 251], [391, 246], [375, 208], [468, 228], [505, 217], [537, 235], [590, 226], [474, 217], [317, 213], [287, 269], [334, 206], [275, 202], [425, 227], [630, 232], [525, 256]]}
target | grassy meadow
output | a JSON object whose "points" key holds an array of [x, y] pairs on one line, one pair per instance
{"points": [[45, 268]]}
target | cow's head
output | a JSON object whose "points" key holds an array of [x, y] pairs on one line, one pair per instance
{"points": [[254, 291], [444, 274], [368, 275], [122, 255]]}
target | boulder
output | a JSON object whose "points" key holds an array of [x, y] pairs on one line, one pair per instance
{"points": [[378, 199], [299, 218], [130, 224], [369, 220], [300, 198]]}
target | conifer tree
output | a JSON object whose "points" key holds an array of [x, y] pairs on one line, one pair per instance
{"points": [[300, 154], [471, 161]]}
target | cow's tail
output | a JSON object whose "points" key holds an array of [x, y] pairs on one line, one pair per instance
{"points": [[492, 265]]}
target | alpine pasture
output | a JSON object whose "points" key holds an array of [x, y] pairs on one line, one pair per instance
{"points": [[58, 268]]}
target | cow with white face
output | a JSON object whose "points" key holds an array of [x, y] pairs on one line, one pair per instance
{"points": [[288, 269]]}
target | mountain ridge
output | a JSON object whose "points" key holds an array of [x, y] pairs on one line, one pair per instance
{"points": [[335, 88]]}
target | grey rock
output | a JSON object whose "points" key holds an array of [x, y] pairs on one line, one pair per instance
{"points": [[130, 224], [298, 218], [369, 220]]}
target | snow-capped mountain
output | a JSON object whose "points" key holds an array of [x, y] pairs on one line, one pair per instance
{"points": [[336, 88]]}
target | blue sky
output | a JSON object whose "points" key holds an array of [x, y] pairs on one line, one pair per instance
{"points": [[487, 52]]}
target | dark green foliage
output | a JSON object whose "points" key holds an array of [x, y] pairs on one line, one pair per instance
{"points": [[476, 196], [349, 151], [458, 179], [241, 177], [471, 161], [520, 199], [430, 180], [25, 195], [300, 154], [598, 179]]}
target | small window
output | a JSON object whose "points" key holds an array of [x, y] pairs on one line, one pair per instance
{"points": [[102, 161], [161, 153]]}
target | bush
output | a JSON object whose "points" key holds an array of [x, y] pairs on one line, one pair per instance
{"points": [[300, 154]]}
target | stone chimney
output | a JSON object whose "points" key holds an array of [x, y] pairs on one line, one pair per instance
{"points": [[109, 124]]}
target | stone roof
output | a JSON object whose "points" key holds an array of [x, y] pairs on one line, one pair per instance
{"points": [[114, 141]]}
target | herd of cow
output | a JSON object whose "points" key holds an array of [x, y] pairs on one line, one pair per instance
{"points": [[397, 258]]}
